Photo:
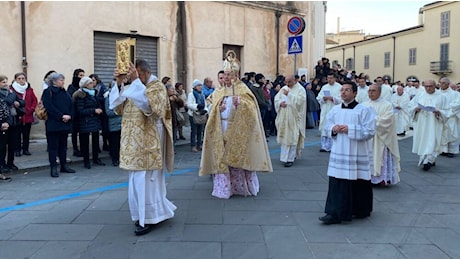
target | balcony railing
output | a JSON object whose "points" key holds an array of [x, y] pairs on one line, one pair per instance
{"points": [[441, 67]]}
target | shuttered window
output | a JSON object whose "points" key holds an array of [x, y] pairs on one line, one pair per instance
{"points": [[104, 53]]}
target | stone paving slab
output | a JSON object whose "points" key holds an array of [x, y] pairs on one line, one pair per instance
{"points": [[86, 214]]}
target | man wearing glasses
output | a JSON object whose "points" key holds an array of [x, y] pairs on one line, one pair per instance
{"points": [[429, 111]]}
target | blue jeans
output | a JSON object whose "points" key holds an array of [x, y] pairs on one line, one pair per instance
{"points": [[196, 133]]}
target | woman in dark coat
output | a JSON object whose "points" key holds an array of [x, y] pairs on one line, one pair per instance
{"points": [[59, 107], [89, 113]]}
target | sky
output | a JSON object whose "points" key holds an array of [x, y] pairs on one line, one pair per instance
{"points": [[372, 17]]}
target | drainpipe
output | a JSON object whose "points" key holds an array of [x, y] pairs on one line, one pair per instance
{"points": [[23, 34], [277, 32], [182, 68], [394, 57], [354, 57], [343, 57]]}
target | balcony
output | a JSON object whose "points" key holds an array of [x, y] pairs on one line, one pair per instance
{"points": [[441, 67]]}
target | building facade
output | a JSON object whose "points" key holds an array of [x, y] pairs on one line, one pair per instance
{"points": [[181, 40], [427, 51]]}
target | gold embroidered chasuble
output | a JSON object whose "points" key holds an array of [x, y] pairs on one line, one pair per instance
{"points": [[141, 147], [243, 145]]}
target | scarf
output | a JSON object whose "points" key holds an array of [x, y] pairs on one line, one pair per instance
{"points": [[199, 97], [90, 92], [20, 89]]}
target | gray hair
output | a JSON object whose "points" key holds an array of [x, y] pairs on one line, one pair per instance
{"points": [[53, 77], [143, 65], [446, 79]]}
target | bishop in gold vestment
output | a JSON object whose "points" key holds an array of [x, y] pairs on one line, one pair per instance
{"points": [[234, 145]]}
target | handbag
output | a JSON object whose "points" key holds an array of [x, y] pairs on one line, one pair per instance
{"points": [[180, 117], [199, 119], [40, 111]]}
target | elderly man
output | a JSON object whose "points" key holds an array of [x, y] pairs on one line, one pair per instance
{"points": [[428, 110], [290, 106], [234, 146], [147, 141], [400, 101], [351, 126], [451, 131], [208, 88], [385, 144], [328, 97]]}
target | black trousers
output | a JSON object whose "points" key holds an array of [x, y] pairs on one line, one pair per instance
{"points": [[23, 137], [75, 135], [13, 132], [3, 144], [84, 145], [114, 145], [57, 147], [347, 198]]}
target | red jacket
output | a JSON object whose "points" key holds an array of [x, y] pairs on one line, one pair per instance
{"points": [[31, 102]]}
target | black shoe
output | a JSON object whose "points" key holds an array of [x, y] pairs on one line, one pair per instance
{"points": [[115, 163], [181, 138], [77, 153], [87, 165], [13, 167], [324, 151], [5, 169], [426, 166], [105, 147], [17, 154], [53, 172], [98, 162], [66, 169], [143, 230], [450, 155], [401, 134], [361, 216], [329, 220], [26, 153], [288, 164]]}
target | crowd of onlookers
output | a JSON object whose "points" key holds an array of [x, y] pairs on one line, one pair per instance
{"points": [[91, 116]]}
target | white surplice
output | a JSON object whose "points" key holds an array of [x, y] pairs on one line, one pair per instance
{"points": [[351, 154], [451, 130], [427, 127], [402, 114]]}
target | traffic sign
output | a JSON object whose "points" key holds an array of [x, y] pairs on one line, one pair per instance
{"points": [[295, 44], [296, 25]]}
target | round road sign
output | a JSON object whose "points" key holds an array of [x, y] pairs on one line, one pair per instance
{"points": [[296, 25]]}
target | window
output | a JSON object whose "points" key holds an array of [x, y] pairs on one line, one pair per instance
{"points": [[445, 22], [386, 63], [366, 62], [349, 64], [444, 58], [412, 56]]}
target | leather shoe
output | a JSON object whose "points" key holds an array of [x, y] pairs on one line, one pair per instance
{"points": [[450, 155], [67, 169], [426, 166], [26, 153], [324, 151], [53, 172], [139, 231], [13, 167], [329, 220], [17, 154], [98, 162], [77, 154], [288, 164], [87, 165], [115, 163]]}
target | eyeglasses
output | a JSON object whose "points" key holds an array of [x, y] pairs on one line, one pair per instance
{"points": [[346, 90]]}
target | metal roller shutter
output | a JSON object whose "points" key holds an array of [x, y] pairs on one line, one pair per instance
{"points": [[104, 53]]}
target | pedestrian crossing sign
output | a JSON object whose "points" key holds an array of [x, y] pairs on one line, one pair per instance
{"points": [[295, 44]]}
